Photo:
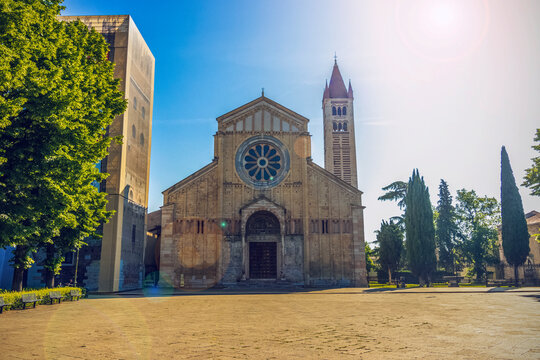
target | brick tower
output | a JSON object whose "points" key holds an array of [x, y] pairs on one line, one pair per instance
{"points": [[338, 118]]}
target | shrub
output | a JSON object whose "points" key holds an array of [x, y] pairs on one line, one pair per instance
{"points": [[15, 297]]}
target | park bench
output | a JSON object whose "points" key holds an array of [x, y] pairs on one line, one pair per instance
{"points": [[55, 295], [453, 281], [503, 282], [2, 304], [29, 298], [400, 283], [75, 294]]}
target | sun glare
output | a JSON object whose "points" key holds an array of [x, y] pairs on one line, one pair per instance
{"points": [[442, 30]]}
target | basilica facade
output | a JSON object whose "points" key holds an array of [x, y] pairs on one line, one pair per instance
{"points": [[262, 209]]}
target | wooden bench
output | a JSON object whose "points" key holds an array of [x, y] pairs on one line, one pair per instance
{"points": [[29, 298], [453, 281], [75, 294], [502, 282], [55, 295], [2, 304], [400, 283]]}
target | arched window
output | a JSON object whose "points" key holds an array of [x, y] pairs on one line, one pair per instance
{"points": [[344, 110], [141, 139], [339, 111], [333, 110], [339, 127], [143, 112], [133, 131], [344, 126], [135, 103], [334, 125]]}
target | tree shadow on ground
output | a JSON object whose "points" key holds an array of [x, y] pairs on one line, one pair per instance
{"points": [[537, 297]]}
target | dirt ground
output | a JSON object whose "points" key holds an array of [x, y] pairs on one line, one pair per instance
{"points": [[339, 323]]}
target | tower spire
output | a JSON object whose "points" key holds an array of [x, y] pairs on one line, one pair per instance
{"points": [[338, 120], [337, 87]]}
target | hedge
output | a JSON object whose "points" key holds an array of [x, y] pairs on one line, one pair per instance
{"points": [[15, 297]]}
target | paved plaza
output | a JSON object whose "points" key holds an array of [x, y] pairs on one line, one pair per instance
{"points": [[471, 323]]}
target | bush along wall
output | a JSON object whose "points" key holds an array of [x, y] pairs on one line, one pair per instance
{"points": [[15, 297]]}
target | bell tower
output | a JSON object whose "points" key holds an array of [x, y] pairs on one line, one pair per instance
{"points": [[338, 118]]}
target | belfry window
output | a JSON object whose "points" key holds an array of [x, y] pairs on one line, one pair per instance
{"points": [[344, 126], [339, 111], [344, 110], [339, 127], [334, 125], [333, 110]]}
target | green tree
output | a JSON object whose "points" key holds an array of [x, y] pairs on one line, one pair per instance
{"points": [[515, 235], [477, 219], [396, 191], [445, 228], [532, 175], [419, 229], [57, 97], [390, 241], [370, 265]]}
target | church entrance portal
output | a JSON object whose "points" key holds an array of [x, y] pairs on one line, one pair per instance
{"points": [[262, 260], [263, 235]]}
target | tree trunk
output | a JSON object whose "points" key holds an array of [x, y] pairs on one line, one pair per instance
{"points": [[516, 275], [389, 275], [49, 278], [18, 268], [17, 284], [49, 274]]}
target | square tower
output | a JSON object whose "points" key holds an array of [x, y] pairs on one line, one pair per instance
{"points": [[338, 118], [115, 262]]}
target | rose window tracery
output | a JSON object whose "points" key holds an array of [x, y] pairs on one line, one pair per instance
{"points": [[262, 161]]}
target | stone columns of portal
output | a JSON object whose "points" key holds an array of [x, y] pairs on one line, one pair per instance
{"points": [[244, 255], [282, 272], [261, 204]]}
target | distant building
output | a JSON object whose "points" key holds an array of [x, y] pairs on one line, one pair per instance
{"points": [[116, 262], [262, 209], [530, 271]]}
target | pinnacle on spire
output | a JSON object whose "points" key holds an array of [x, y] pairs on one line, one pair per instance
{"points": [[337, 87], [326, 93], [350, 92]]}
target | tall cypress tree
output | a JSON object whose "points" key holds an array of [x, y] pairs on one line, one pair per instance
{"points": [[446, 227], [515, 236], [419, 229]]}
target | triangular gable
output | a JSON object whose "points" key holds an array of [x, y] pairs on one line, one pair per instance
{"points": [[262, 103]]}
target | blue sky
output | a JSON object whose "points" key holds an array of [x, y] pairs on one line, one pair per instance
{"points": [[439, 85]]}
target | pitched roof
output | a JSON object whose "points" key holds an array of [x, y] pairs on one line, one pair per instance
{"points": [[337, 86]]}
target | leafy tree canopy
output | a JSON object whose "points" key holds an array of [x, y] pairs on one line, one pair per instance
{"points": [[390, 241], [532, 175], [57, 97], [477, 220]]}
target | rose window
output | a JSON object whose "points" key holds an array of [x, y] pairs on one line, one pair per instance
{"points": [[262, 161]]}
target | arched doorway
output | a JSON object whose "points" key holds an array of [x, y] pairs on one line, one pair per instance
{"points": [[263, 236]]}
